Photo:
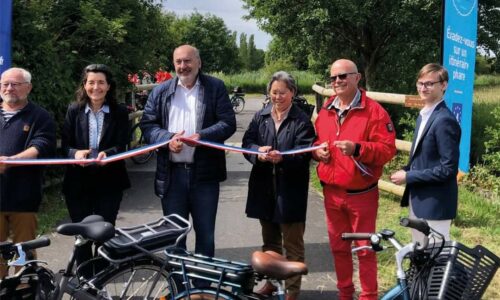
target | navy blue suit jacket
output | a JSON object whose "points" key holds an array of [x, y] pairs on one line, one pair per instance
{"points": [[215, 121], [431, 172]]}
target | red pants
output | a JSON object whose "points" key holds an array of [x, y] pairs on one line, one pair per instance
{"points": [[352, 213]]}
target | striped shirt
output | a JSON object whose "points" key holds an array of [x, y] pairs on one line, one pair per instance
{"points": [[7, 115], [96, 120]]}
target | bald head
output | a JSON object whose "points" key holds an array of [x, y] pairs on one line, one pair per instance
{"points": [[345, 78], [345, 64]]}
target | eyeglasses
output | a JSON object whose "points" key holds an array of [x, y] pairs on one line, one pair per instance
{"points": [[427, 84], [341, 76], [14, 85]]}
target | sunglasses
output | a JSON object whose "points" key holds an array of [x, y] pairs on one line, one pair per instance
{"points": [[341, 76]]}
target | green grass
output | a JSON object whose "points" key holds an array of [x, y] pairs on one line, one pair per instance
{"points": [[486, 80], [53, 209]]}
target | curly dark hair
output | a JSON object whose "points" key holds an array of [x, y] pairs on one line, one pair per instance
{"points": [[81, 95]]}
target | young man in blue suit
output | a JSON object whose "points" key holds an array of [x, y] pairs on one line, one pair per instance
{"points": [[430, 176]]}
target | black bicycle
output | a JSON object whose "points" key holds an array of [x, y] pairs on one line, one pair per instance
{"points": [[142, 262], [133, 271], [238, 100]]}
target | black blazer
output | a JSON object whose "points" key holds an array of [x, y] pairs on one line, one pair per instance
{"points": [[431, 174], [114, 139], [278, 193]]}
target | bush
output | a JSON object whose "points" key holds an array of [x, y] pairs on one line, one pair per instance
{"points": [[256, 81]]}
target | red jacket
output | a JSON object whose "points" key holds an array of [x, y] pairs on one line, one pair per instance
{"points": [[368, 125]]}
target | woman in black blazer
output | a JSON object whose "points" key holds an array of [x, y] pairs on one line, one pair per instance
{"points": [[95, 126]]}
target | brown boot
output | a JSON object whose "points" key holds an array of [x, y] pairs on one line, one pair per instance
{"points": [[267, 289]]}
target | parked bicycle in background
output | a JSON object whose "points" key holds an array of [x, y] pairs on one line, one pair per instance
{"points": [[238, 100], [136, 136]]}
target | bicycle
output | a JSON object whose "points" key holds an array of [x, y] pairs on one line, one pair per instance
{"points": [[438, 270], [136, 141], [238, 100], [229, 279], [141, 264], [135, 270]]}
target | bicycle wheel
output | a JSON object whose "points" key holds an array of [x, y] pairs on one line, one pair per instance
{"points": [[139, 142], [238, 104], [140, 279]]}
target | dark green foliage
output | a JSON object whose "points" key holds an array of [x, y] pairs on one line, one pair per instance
{"points": [[56, 39], [210, 35]]}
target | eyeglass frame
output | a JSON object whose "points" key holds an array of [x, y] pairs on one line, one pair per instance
{"points": [[427, 84], [341, 76], [13, 84]]}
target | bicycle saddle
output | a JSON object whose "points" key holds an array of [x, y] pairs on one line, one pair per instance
{"points": [[273, 264], [92, 227]]}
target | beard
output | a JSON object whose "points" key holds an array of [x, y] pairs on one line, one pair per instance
{"points": [[12, 100]]}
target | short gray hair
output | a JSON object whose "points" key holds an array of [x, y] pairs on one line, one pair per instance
{"points": [[283, 77], [26, 73]]}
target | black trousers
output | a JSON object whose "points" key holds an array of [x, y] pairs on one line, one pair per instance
{"points": [[93, 202]]}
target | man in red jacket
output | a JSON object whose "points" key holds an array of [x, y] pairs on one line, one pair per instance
{"points": [[359, 139]]}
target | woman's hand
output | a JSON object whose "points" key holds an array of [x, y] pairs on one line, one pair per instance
{"points": [[263, 156], [274, 157], [102, 155]]}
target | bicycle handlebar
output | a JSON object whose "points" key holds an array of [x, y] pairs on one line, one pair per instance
{"points": [[34, 244], [356, 236], [417, 224]]}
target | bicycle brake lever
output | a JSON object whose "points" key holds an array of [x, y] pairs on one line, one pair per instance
{"points": [[356, 249], [375, 248], [21, 260]]}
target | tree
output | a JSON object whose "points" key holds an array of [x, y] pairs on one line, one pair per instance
{"points": [[243, 51], [210, 35], [488, 34], [252, 58], [255, 56], [373, 33], [56, 39]]}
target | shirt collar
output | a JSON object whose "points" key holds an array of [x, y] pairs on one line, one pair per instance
{"points": [[356, 101], [104, 108], [427, 111], [196, 84]]}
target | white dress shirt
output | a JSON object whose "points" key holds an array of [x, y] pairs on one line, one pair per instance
{"points": [[182, 116]]}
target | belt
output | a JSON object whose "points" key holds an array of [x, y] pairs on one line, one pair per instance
{"points": [[181, 165], [360, 191]]}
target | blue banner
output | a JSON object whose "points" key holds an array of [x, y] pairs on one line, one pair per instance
{"points": [[5, 34], [459, 58]]}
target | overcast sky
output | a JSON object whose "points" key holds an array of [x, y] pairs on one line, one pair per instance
{"points": [[231, 11]]}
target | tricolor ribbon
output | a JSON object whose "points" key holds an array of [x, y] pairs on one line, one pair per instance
{"points": [[365, 171], [71, 161], [142, 150], [245, 150]]}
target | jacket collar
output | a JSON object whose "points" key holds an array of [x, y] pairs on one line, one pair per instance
{"points": [[355, 104], [433, 116], [293, 113]]}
